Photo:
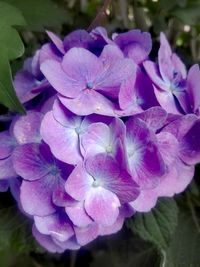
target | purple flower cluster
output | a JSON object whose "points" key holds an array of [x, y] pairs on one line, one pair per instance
{"points": [[107, 132]]}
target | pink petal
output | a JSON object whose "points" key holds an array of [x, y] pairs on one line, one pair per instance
{"points": [[78, 183], [102, 205], [63, 141]]}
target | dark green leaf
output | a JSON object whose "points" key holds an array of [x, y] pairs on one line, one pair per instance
{"points": [[189, 15], [184, 250], [158, 225], [7, 93], [41, 14], [128, 251], [15, 232], [11, 47]]}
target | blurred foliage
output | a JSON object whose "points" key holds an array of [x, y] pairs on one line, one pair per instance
{"points": [[164, 237], [158, 225]]}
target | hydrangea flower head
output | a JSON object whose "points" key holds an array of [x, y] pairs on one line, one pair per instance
{"points": [[107, 132]]}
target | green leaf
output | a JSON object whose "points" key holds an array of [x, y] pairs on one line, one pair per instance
{"points": [[189, 15], [11, 47], [41, 14], [15, 232], [158, 225], [128, 251], [184, 250], [7, 92]]}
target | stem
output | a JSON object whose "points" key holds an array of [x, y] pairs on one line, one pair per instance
{"points": [[164, 258], [101, 15], [73, 255], [139, 16], [193, 212]]}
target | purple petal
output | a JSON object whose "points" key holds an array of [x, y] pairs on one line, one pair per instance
{"points": [[6, 169], [145, 201], [24, 82], [81, 67], [100, 33], [78, 38], [109, 81], [63, 141], [107, 174], [190, 145], [78, 183], [87, 234], [58, 79], [89, 102], [102, 205], [60, 198], [164, 59], [180, 125], [110, 54], [78, 215], [135, 44], [167, 100], [116, 227], [179, 65], [30, 163], [57, 225], [4, 185], [169, 147], [49, 52], [7, 144], [154, 118], [46, 241], [144, 92], [193, 81], [145, 162], [96, 139], [26, 128], [102, 167], [70, 244], [36, 196], [127, 94], [56, 41], [154, 74]]}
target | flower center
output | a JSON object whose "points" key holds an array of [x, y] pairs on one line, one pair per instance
{"points": [[96, 183], [109, 149], [54, 170], [78, 130], [89, 85]]}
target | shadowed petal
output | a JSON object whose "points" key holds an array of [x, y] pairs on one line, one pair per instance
{"points": [[36, 196], [26, 129], [193, 81], [154, 117], [57, 225], [135, 44], [6, 169], [86, 234], [7, 144], [190, 145], [78, 215], [46, 241], [30, 161]]}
